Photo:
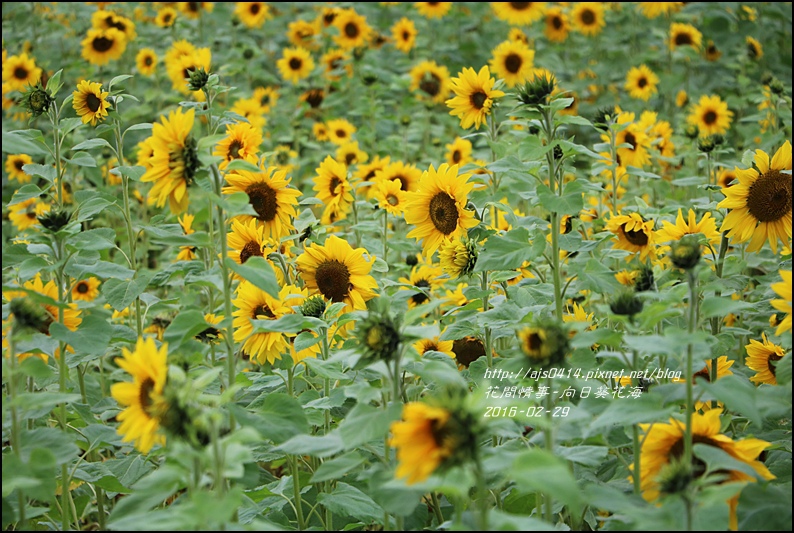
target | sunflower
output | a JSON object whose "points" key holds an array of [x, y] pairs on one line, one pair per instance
{"points": [[458, 257], [251, 110], [353, 29], [459, 152], [681, 99], [86, 289], [438, 207], [241, 142], [419, 441], [519, 13], [51, 313], [467, 350], [754, 49], [557, 25], [331, 183], [512, 61], [174, 161], [350, 154], [25, 214], [407, 175], [726, 178], [186, 253], [763, 357], [283, 157], [674, 232], [641, 82], [142, 399], [328, 15], [252, 14], [166, 17], [304, 34], [783, 289], [426, 278], [19, 72], [633, 134], [588, 18], [14, 164], [430, 81], [193, 10], [339, 131], [267, 98], [404, 34], [390, 196], [271, 196], [338, 272], [711, 116], [685, 35], [433, 10], [100, 46], [146, 61], [760, 203], [90, 102], [517, 34], [634, 234], [366, 173], [336, 61], [103, 20], [435, 345], [663, 444], [474, 96], [253, 303], [246, 240], [711, 52], [295, 64]]}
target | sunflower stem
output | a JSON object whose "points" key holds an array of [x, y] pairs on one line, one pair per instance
{"points": [[549, 441], [692, 280], [482, 493], [548, 128], [485, 297], [385, 236], [434, 503], [16, 437], [296, 487]]}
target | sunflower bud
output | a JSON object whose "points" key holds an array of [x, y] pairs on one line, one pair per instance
{"points": [[675, 477], [411, 260], [777, 87], [536, 92], [692, 131], [191, 159], [378, 337], [55, 219], [557, 152], [644, 280], [197, 79], [28, 314], [458, 257], [604, 118], [248, 53], [626, 303], [544, 343], [369, 79], [706, 145], [685, 254], [37, 100], [314, 307]]}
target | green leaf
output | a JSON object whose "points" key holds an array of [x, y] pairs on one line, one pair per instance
{"points": [[539, 470], [81, 159], [135, 173], [583, 455], [120, 294], [148, 492], [532, 148], [91, 337], [55, 441], [365, 423], [569, 203], [625, 412], [717, 306], [720, 461], [279, 418], [140, 126], [172, 235], [44, 171], [346, 500], [93, 239], [318, 446], [337, 467], [242, 164], [80, 266], [765, 507], [186, 325], [26, 192], [13, 143], [97, 142], [508, 251], [259, 272], [54, 83], [92, 206]]}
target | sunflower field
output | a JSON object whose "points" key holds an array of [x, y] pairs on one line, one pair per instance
{"points": [[397, 266]]}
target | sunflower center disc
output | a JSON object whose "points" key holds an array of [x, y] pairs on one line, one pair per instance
{"points": [[148, 61], [263, 310], [295, 63], [254, 9], [513, 63], [769, 198], [350, 158], [263, 199], [444, 213], [467, 350], [250, 249], [144, 395], [456, 155], [333, 280], [588, 17], [478, 99], [421, 297], [637, 238], [92, 102], [683, 39], [351, 30], [431, 85], [102, 44], [82, 288], [403, 181], [335, 183], [642, 82], [772, 359], [234, 149], [534, 342], [556, 22], [21, 73], [710, 117], [393, 200], [520, 6], [631, 139], [18, 165]]}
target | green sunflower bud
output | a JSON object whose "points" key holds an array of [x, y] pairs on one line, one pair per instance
{"points": [[692, 131], [37, 100], [30, 315], [644, 280], [54, 220], [675, 477], [314, 307], [378, 337], [685, 254], [545, 343], [197, 79], [604, 117], [537, 92], [626, 303]]}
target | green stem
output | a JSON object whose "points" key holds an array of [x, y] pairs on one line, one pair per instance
{"points": [[549, 438], [56, 134], [16, 437], [296, 487], [690, 405], [434, 503], [385, 236], [486, 295], [555, 223], [483, 495], [718, 268]]}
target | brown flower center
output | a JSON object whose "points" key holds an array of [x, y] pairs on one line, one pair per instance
{"points": [[513, 63], [333, 280], [314, 98], [456, 156], [430, 84], [642, 82], [334, 185], [295, 63], [18, 164], [769, 197], [148, 60], [773, 358], [92, 102], [263, 310], [351, 30], [262, 198], [145, 394], [234, 149], [250, 249], [406, 36], [392, 200], [637, 238], [587, 17], [682, 39], [556, 22], [82, 287], [102, 44], [254, 9], [520, 6], [467, 350], [478, 99], [21, 73], [444, 213], [709, 117], [421, 297]]}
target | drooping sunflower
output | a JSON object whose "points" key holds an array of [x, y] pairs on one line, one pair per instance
{"points": [[19, 72], [760, 203], [14, 164], [252, 14], [252, 111], [457, 257], [406, 174], [674, 232], [641, 82], [252, 303], [634, 234], [241, 142], [663, 444], [350, 154], [433, 10], [390, 196], [25, 214], [421, 449], [685, 35], [174, 161], [103, 20], [403, 34], [763, 358], [354, 32], [783, 289], [754, 49], [296, 63], [331, 183], [711, 115], [166, 17], [512, 61], [426, 278], [146, 61], [270, 194], [338, 272], [519, 13], [101, 46], [426, 345], [86, 289], [438, 208], [339, 131], [474, 96], [336, 61], [459, 152], [588, 18], [142, 399], [557, 25], [90, 102], [467, 350], [304, 33], [430, 81]]}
